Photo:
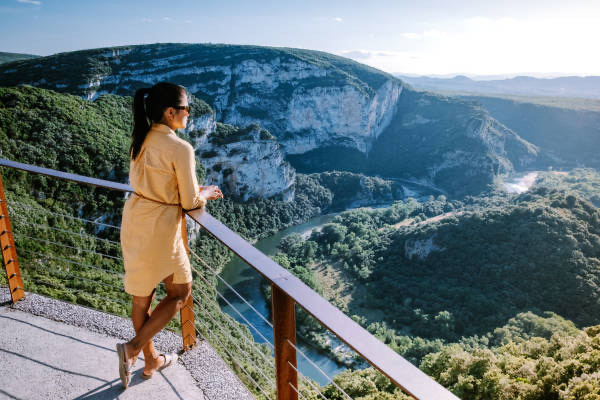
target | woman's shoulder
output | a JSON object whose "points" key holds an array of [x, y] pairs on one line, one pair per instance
{"points": [[169, 145], [180, 145], [170, 141], [177, 147]]}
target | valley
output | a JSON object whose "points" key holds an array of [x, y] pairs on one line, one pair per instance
{"points": [[463, 232]]}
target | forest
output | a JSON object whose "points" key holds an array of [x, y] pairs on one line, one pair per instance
{"points": [[488, 297]]}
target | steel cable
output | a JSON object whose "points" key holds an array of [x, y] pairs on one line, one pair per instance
{"points": [[198, 333], [307, 380], [318, 368], [257, 312], [229, 286], [296, 390], [76, 290], [246, 354], [234, 359], [85, 279], [239, 313], [67, 246], [63, 215], [271, 362], [71, 261], [85, 235]]}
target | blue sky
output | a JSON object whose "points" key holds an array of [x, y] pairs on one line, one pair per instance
{"points": [[419, 37]]}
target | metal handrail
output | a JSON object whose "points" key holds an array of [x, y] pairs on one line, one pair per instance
{"points": [[411, 379]]}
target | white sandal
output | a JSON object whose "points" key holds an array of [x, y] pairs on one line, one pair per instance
{"points": [[169, 359], [124, 367]]}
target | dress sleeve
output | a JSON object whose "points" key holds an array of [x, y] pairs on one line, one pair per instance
{"points": [[185, 170]]}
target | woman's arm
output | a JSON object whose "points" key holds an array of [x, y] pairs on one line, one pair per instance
{"points": [[185, 169]]}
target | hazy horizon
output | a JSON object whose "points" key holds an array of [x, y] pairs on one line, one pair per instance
{"points": [[476, 77], [432, 38]]}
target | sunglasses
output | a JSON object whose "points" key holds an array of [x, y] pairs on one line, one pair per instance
{"points": [[186, 108]]}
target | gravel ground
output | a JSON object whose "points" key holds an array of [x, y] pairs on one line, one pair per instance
{"points": [[212, 375]]}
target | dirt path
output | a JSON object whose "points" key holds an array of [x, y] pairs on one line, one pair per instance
{"points": [[410, 221]]}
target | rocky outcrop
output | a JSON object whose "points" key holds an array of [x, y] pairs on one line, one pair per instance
{"points": [[566, 137], [420, 248], [205, 123], [306, 99], [339, 116], [327, 112], [251, 166], [449, 144]]}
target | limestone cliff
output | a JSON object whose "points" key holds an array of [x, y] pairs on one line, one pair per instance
{"points": [[246, 163], [306, 99], [452, 145], [327, 112]]}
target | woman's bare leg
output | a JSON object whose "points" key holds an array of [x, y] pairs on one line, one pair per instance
{"points": [[164, 312], [140, 313]]}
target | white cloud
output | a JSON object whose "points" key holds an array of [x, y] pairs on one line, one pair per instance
{"points": [[187, 21], [410, 35], [338, 19], [434, 33], [489, 46], [34, 2], [146, 19], [522, 45], [378, 58], [167, 19]]}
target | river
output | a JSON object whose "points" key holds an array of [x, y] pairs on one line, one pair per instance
{"points": [[520, 182], [245, 280]]}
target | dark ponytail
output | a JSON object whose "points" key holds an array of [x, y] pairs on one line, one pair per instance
{"points": [[140, 122], [151, 109]]}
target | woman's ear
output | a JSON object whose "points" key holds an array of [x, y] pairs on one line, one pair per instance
{"points": [[170, 113]]}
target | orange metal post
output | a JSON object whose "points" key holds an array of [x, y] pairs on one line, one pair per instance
{"points": [[188, 330], [9, 251], [284, 329]]}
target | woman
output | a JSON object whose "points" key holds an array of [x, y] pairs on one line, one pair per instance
{"points": [[163, 175]]}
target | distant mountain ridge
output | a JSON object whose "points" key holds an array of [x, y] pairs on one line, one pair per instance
{"points": [[291, 92], [355, 117], [566, 138], [9, 57], [568, 86]]}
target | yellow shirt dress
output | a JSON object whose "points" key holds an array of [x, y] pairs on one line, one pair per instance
{"points": [[153, 249]]}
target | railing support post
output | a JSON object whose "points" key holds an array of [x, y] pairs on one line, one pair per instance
{"points": [[186, 314], [284, 329], [9, 251]]}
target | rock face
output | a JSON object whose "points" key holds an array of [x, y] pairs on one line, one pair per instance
{"points": [[250, 166], [322, 116], [566, 137], [205, 123], [453, 145], [307, 99], [436, 141], [420, 248], [497, 140], [327, 112]]}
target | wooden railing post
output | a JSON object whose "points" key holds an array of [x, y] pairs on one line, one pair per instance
{"points": [[9, 251], [284, 329], [186, 314]]}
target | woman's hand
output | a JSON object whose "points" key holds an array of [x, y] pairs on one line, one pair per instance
{"points": [[211, 192]]}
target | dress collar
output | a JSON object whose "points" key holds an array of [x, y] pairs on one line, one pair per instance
{"points": [[162, 128]]}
